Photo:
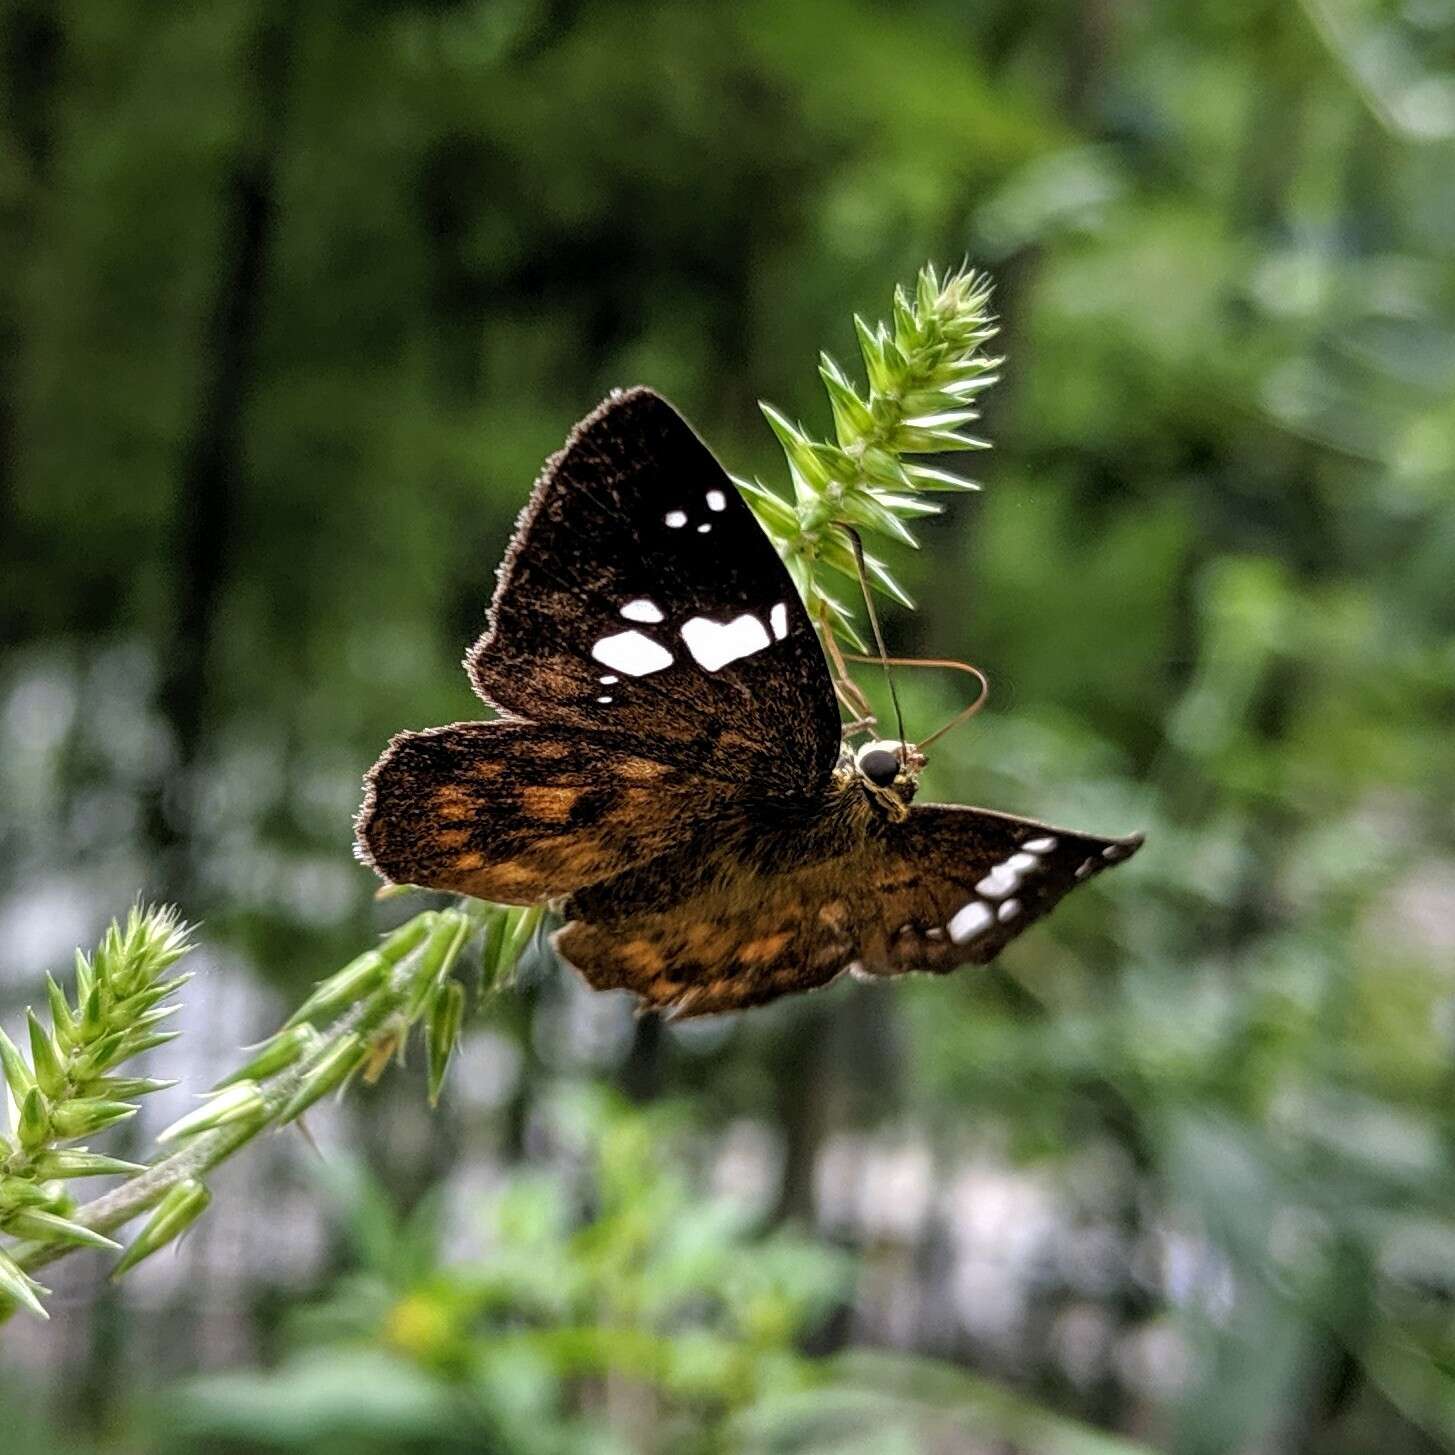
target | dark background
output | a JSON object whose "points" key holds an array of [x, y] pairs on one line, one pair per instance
{"points": [[294, 299]]}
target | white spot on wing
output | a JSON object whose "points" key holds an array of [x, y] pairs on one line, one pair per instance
{"points": [[1039, 846], [632, 653], [1113, 852], [604, 699], [703, 529], [675, 519], [1008, 911], [642, 610], [714, 644], [608, 679], [779, 619], [999, 882], [970, 920], [716, 500], [1006, 877]]}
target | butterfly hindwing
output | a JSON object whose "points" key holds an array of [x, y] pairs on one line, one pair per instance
{"points": [[641, 597], [949, 886], [953, 885], [748, 940], [517, 812]]}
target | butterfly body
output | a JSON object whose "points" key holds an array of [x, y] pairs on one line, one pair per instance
{"points": [[744, 853], [668, 768]]}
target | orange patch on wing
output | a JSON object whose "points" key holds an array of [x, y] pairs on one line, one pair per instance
{"points": [[761, 951], [453, 803], [508, 877], [644, 956], [569, 861], [639, 770], [550, 805], [707, 942]]}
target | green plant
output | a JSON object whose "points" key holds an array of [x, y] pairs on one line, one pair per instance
{"points": [[352, 1024], [659, 1314], [925, 369]]}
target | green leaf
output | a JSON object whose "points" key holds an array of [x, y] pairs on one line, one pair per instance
{"points": [[275, 1054], [238, 1102], [34, 1124], [871, 350], [23, 1191], [124, 1088], [345, 1056], [77, 1162], [93, 1015], [521, 924], [492, 940], [799, 449], [50, 1074], [343, 988], [863, 510], [17, 1074], [174, 1214], [85, 979], [16, 1284], [446, 940], [442, 1032], [62, 1021], [928, 477], [47, 1227], [852, 419], [86, 1116]]}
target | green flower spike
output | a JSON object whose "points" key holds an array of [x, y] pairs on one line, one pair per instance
{"points": [[65, 1090], [925, 370]]}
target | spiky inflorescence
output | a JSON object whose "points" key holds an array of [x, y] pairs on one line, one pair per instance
{"points": [[69, 1087], [925, 370], [355, 1021]]}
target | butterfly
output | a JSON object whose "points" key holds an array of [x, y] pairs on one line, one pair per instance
{"points": [[668, 765]]}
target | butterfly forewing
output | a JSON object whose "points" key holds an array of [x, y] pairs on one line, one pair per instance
{"points": [[659, 670], [520, 812], [641, 597]]}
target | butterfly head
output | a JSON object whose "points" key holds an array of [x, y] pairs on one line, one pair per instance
{"points": [[888, 772]]}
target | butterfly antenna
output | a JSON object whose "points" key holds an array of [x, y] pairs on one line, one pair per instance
{"points": [[884, 658], [949, 664]]}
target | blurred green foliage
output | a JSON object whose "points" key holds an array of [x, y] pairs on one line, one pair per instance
{"points": [[293, 302], [655, 1300], [658, 1320]]}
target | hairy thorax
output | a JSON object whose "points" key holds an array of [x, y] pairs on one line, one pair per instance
{"points": [[763, 839]]}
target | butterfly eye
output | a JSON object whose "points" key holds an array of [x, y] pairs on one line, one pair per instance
{"points": [[879, 763]]}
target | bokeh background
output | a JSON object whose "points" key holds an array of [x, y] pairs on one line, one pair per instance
{"points": [[294, 299]]}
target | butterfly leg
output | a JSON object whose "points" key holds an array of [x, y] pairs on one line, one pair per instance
{"points": [[846, 689]]}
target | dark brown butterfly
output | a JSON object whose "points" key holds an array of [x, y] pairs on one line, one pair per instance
{"points": [[668, 765]]}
